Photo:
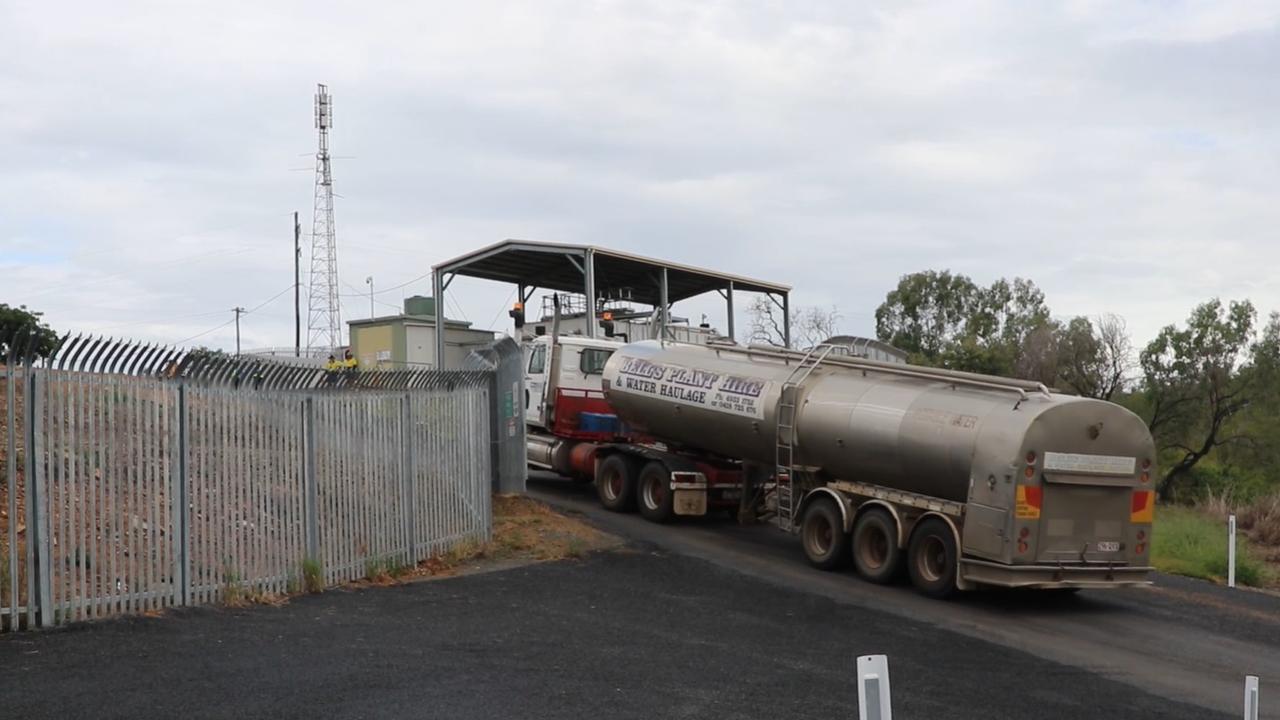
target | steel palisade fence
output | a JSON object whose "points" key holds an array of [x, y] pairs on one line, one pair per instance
{"points": [[139, 477]]}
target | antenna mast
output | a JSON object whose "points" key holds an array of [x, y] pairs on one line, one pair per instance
{"points": [[324, 330]]}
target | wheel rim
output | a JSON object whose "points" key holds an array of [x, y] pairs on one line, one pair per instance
{"points": [[654, 493], [873, 548], [613, 485], [931, 560], [819, 535]]}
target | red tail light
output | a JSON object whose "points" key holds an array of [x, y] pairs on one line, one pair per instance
{"points": [[1142, 508]]}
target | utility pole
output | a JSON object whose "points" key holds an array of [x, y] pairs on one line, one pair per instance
{"points": [[297, 286], [370, 281], [238, 311]]}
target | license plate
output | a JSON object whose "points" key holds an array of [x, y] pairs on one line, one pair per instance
{"points": [[1108, 547]]}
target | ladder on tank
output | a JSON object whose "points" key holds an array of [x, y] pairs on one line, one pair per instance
{"points": [[784, 455]]}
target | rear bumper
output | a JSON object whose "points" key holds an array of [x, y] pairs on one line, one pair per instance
{"points": [[982, 572]]}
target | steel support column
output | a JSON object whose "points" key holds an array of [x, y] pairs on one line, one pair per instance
{"points": [[728, 299], [589, 271], [664, 306], [786, 320], [437, 289]]}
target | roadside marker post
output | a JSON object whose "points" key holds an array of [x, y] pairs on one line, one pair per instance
{"points": [[1250, 697], [873, 688], [1231, 551]]}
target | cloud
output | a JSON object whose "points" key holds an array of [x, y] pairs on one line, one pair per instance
{"points": [[1123, 157]]}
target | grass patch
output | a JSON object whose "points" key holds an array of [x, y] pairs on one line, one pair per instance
{"points": [[312, 575], [233, 594], [383, 571], [523, 530], [1187, 541]]}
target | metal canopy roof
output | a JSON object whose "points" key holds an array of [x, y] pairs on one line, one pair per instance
{"points": [[555, 266]]}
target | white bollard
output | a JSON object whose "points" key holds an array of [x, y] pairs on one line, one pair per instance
{"points": [[1231, 551], [1250, 697], [873, 688]]}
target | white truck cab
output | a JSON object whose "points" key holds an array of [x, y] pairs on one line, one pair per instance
{"points": [[570, 367]]}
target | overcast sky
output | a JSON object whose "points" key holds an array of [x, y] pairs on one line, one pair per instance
{"points": [[1124, 156]]}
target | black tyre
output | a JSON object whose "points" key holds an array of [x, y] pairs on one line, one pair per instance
{"points": [[616, 483], [826, 545], [653, 493], [876, 554], [932, 558]]}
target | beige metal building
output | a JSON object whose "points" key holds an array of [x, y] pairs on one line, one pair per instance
{"points": [[408, 340]]}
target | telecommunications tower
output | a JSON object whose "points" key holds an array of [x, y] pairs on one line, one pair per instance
{"points": [[323, 329]]}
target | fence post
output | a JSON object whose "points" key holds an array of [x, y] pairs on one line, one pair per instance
{"points": [[11, 479], [873, 688], [180, 492], [408, 491], [1251, 697], [1231, 550], [312, 498], [39, 580], [495, 431]]}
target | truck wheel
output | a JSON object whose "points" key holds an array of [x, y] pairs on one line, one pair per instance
{"points": [[876, 554], [931, 558], [653, 493], [616, 483], [826, 545]]}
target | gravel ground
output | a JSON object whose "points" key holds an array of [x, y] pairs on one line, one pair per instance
{"points": [[636, 632]]}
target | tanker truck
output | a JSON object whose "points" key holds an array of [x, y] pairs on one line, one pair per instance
{"points": [[956, 480]]}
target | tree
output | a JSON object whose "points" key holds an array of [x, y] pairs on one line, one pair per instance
{"points": [[949, 321], [1094, 359], [810, 326], [927, 313], [23, 328], [1195, 384]]}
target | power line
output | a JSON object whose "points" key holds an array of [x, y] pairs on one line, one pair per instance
{"points": [[206, 332], [504, 307], [147, 322], [270, 300], [390, 289]]}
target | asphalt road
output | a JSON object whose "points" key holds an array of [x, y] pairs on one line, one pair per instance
{"points": [[647, 631], [1182, 640]]}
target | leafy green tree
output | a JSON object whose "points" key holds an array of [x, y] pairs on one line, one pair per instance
{"points": [[950, 321], [20, 326], [927, 313], [1196, 383]]}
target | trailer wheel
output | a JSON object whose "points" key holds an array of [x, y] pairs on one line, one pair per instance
{"points": [[653, 493], [876, 554], [616, 483], [931, 558], [826, 545]]}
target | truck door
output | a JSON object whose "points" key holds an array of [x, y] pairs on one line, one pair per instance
{"points": [[535, 384]]}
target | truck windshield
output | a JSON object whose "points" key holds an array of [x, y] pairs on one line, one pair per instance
{"points": [[592, 360]]}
